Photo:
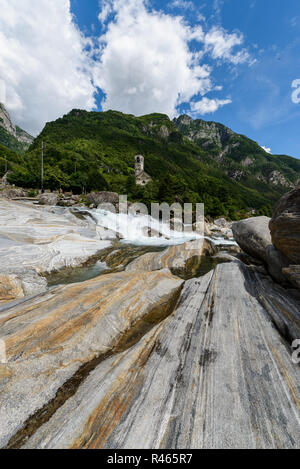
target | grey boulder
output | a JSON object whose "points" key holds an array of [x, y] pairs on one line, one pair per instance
{"points": [[253, 236], [48, 199], [276, 261], [98, 198]]}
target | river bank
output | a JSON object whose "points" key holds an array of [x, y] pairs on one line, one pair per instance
{"points": [[165, 345], [39, 244]]}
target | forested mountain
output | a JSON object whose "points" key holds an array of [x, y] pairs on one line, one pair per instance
{"points": [[188, 160]]}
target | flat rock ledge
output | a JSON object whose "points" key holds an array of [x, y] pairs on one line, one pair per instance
{"points": [[217, 373], [35, 241], [43, 239], [180, 259]]}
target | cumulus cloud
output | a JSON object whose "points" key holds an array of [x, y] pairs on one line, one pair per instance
{"points": [[222, 45], [43, 61], [106, 10], [268, 150], [146, 63], [207, 106]]}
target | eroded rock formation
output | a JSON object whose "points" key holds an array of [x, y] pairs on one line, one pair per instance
{"points": [[44, 239], [182, 259], [140, 358], [285, 225], [53, 340], [216, 374], [275, 241]]}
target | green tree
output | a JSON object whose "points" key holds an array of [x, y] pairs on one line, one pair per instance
{"points": [[55, 179], [96, 181]]}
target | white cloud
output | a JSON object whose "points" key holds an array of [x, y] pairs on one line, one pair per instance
{"points": [[106, 10], [146, 63], [207, 106], [221, 45], [183, 4], [268, 150], [43, 61], [201, 17]]}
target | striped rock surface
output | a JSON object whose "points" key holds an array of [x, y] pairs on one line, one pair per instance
{"points": [[10, 288], [217, 373], [43, 239], [179, 259], [292, 273], [18, 282], [54, 339]]}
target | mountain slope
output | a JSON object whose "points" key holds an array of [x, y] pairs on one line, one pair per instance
{"points": [[242, 159], [12, 136], [95, 150]]}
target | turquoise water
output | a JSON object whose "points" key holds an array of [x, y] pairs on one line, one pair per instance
{"points": [[78, 274]]}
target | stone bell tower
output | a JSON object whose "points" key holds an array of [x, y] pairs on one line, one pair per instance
{"points": [[141, 177], [139, 164]]}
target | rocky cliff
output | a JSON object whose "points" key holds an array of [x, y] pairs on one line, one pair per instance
{"points": [[11, 136], [204, 133], [241, 157]]}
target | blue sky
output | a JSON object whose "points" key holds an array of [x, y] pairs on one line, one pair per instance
{"points": [[261, 105], [231, 61]]}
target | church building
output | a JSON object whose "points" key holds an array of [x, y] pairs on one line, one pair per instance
{"points": [[141, 177]]}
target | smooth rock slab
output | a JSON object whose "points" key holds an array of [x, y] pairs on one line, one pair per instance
{"points": [[53, 338], [180, 259], [44, 239], [216, 374]]}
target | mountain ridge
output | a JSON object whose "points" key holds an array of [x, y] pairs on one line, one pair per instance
{"points": [[188, 160], [221, 141]]}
